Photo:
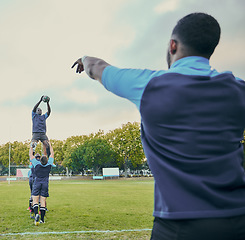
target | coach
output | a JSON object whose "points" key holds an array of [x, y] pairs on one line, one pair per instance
{"points": [[193, 118]]}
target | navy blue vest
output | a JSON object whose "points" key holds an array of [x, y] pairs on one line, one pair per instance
{"points": [[39, 123], [42, 172], [191, 132]]}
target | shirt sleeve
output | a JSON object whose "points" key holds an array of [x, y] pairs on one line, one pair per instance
{"points": [[51, 161], [34, 162], [46, 115], [128, 83]]}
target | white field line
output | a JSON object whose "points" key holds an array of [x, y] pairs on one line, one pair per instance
{"points": [[69, 232]]}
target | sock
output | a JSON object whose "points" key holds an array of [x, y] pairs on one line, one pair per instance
{"points": [[39, 207], [43, 211], [35, 209], [30, 204]]}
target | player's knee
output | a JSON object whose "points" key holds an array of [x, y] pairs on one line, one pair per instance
{"points": [[46, 143]]}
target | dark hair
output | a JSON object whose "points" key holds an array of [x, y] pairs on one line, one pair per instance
{"points": [[199, 32], [44, 160]]}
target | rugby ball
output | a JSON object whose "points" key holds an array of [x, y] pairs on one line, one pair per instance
{"points": [[45, 99]]}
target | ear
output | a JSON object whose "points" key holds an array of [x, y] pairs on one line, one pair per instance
{"points": [[173, 46]]}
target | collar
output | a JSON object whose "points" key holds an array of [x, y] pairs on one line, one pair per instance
{"points": [[195, 62]]}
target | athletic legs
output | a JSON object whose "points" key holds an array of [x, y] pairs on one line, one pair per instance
{"points": [[35, 209], [46, 148], [36, 137], [43, 208]]}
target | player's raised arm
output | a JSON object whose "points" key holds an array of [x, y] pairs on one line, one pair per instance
{"points": [[51, 151], [36, 106], [49, 108], [31, 153], [94, 67]]}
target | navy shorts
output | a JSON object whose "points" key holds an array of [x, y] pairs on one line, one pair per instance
{"points": [[39, 136], [231, 228], [40, 188]]}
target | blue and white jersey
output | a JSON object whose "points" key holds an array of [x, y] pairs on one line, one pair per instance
{"points": [[42, 171], [31, 172], [39, 122], [192, 123]]}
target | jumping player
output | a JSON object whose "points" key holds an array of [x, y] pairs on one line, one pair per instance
{"points": [[39, 127], [41, 183]]}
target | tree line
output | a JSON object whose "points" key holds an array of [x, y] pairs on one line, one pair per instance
{"points": [[120, 147]]}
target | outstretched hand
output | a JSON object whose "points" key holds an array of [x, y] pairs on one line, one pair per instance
{"points": [[93, 66], [80, 67]]}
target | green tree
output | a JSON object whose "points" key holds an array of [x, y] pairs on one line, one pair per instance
{"points": [[95, 154], [126, 142], [58, 151], [20, 153], [70, 145], [4, 154], [59, 169], [3, 170], [98, 154], [78, 163]]}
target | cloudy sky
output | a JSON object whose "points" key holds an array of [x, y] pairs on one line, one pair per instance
{"points": [[41, 39]]}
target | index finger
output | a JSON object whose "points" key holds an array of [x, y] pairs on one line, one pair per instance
{"points": [[75, 63]]}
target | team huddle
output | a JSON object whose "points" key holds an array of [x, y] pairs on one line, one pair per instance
{"points": [[40, 165]]}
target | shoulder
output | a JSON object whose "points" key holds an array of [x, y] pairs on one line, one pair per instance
{"points": [[51, 160], [128, 83], [34, 161], [229, 73]]}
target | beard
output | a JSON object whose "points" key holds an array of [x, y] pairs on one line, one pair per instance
{"points": [[168, 59]]}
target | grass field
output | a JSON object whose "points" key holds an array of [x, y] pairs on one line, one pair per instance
{"points": [[98, 209]]}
